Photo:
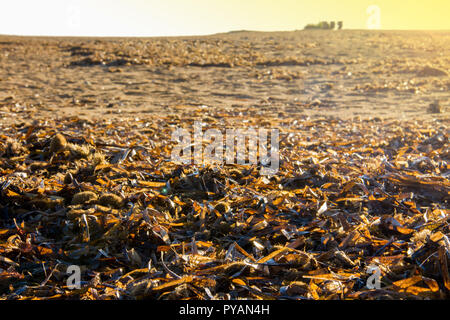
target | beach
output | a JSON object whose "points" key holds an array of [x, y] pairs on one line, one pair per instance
{"points": [[94, 207]]}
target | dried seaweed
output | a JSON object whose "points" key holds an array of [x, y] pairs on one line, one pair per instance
{"points": [[105, 196]]}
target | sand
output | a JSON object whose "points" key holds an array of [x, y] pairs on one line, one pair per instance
{"points": [[336, 74]]}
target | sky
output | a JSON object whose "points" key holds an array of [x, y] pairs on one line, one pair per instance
{"points": [[200, 17]]}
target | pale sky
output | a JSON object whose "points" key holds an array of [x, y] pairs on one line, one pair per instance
{"points": [[199, 17]]}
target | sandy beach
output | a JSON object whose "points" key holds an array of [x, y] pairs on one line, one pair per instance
{"points": [[88, 184], [343, 74]]}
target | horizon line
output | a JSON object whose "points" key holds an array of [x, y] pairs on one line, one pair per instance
{"points": [[213, 34]]}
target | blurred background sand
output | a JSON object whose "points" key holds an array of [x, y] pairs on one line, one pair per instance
{"points": [[337, 74]]}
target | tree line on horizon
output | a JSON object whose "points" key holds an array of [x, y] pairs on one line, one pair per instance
{"points": [[325, 25]]}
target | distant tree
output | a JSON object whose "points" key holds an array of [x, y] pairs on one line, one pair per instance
{"points": [[332, 25], [340, 25], [324, 25]]}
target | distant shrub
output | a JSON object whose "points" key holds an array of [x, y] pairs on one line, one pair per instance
{"points": [[311, 26], [323, 25]]}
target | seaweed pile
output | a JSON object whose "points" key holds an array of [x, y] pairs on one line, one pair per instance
{"points": [[349, 196]]}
